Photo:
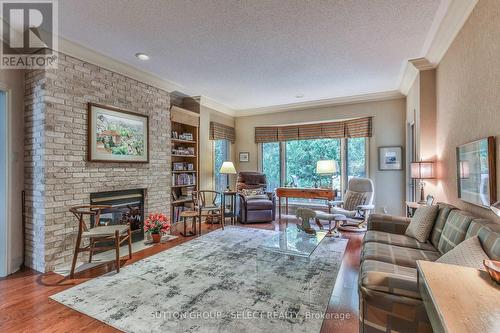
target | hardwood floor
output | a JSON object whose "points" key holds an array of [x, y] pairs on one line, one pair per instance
{"points": [[25, 305]]}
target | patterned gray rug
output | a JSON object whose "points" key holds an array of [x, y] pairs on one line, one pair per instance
{"points": [[220, 282]]}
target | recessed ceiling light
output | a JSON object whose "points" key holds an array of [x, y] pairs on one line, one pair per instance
{"points": [[142, 56], [299, 96]]}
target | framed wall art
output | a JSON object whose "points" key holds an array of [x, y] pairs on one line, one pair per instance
{"points": [[116, 135], [390, 158], [244, 157], [476, 172]]}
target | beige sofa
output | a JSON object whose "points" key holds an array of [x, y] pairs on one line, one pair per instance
{"points": [[389, 297]]}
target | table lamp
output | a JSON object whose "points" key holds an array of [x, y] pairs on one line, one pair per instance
{"points": [[326, 168], [421, 171], [227, 168]]}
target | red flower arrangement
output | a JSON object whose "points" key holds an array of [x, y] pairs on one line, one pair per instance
{"points": [[157, 224]]}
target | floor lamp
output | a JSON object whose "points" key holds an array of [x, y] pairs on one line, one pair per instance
{"points": [[227, 168]]}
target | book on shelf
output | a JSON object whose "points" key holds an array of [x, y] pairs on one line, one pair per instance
{"points": [[180, 151], [182, 166], [187, 191], [184, 179]]}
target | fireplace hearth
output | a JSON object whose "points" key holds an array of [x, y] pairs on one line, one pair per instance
{"points": [[127, 207]]}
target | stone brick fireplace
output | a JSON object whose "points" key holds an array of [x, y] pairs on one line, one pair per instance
{"points": [[57, 172]]}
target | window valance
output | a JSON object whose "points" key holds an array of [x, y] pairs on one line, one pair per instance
{"points": [[220, 131], [354, 128]]}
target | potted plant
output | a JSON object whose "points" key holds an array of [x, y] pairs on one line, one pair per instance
{"points": [[157, 224]]}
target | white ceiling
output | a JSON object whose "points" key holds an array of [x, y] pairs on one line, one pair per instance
{"points": [[258, 53]]}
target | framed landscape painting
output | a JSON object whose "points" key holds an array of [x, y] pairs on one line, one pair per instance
{"points": [[116, 135], [244, 157], [476, 172], [390, 158]]}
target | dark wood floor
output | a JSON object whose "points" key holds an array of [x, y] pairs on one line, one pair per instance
{"points": [[25, 305]]}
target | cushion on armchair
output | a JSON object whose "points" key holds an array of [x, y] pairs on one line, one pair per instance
{"points": [[260, 204], [354, 199], [254, 193]]}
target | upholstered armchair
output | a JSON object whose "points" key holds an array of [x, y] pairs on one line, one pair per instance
{"points": [[357, 203], [254, 203]]}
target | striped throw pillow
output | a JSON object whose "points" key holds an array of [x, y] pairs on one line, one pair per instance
{"points": [[354, 199]]}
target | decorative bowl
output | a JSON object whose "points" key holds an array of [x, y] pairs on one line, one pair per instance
{"points": [[493, 269]]}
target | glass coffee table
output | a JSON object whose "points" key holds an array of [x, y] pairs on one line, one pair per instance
{"points": [[287, 254], [293, 242]]}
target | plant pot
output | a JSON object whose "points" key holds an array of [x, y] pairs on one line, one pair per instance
{"points": [[156, 238]]}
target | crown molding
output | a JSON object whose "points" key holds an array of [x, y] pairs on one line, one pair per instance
{"points": [[89, 55], [372, 97], [458, 12], [214, 105], [413, 67], [454, 14], [421, 64], [84, 53]]}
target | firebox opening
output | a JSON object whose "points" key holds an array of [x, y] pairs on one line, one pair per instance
{"points": [[127, 207]]}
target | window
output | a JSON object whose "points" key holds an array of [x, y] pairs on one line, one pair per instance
{"points": [[301, 158], [271, 165], [356, 158], [221, 154], [295, 161]]}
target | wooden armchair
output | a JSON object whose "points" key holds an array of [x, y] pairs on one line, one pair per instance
{"points": [[97, 234], [207, 203]]}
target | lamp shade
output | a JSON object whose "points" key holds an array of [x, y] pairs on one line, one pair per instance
{"points": [[326, 167], [422, 170], [227, 168]]}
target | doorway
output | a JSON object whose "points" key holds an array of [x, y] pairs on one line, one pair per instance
{"points": [[4, 230], [412, 156]]}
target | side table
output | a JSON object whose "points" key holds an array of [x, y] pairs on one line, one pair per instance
{"points": [[229, 210], [193, 215], [411, 207]]}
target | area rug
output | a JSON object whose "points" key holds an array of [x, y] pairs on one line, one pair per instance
{"points": [[219, 282]]}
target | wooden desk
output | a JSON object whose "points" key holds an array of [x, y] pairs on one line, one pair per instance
{"points": [[459, 299], [305, 193]]}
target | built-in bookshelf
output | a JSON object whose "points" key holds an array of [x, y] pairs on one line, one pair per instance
{"points": [[185, 159]]}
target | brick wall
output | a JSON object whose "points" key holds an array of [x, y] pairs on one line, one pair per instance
{"points": [[58, 174]]}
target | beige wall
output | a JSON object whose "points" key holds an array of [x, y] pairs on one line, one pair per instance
{"points": [[206, 146], [13, 81], [421, 110], [468, 96], [389, 130]]}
